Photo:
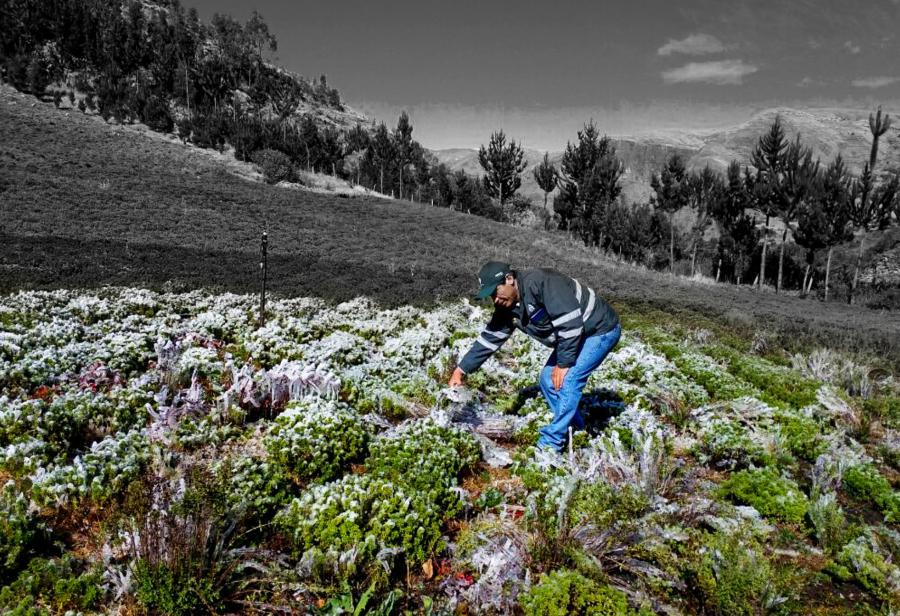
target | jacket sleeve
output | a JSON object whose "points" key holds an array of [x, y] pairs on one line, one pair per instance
{"points": [[489, 340], [564, 310]]}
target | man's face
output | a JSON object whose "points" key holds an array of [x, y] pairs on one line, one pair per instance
{"points": [[506, 295]]}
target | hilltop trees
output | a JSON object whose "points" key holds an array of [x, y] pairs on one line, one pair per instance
{"points": [[798, 181], [404, 146], [589, 183], [160, 65], [703, 190], [546, 176], [769, 159], [671, 195], [872, 202], [503, 164]]}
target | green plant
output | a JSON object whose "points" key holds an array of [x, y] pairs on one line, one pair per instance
{"points": [[828, 521], [18, 529], [728, 443], [732, 577], [802, 436], [770, 493], [363, 513], [316, 438], [866, 562], [864, 482], [426, 457], [53, 585], [568, 593], [602, 505]]}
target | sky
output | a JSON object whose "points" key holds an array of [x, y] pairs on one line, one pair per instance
{"points": [[540, 70]]}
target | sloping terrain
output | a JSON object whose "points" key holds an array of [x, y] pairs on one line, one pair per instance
{"points": [[85, 203]]}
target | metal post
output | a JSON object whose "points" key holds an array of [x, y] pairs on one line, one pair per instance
{"points": [[264, 266]]}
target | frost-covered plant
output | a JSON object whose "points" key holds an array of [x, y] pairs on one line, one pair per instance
{"points": [[728, 443], [733, 577], [496, 549], [564, 593], [864, 482], [828, 521], [98, 473], [202, 361], [191, 434], [425, 456], [18, 528], [868, 563], [257, 486], [316, 438], [770, 493], [365, 514]]}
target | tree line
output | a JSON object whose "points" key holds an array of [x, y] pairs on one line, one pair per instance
{"points": [[820, 206]]}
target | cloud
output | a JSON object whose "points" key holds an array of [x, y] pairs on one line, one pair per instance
{"points": [[852, 47], [692, 45], [809, 81], [874, 82], [720, 72]]}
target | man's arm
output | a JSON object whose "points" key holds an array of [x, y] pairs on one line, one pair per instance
{"points": [[489, 340]]}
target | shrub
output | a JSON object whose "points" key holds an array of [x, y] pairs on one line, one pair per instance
{"points": [[773, 495], [864, 482], [364, 513], [254, 484], [599, 504], [728, 444], [870, 568], [274, 165], [733, 578], [425, 457], [828, 521], [316, 438], [53, 586], [564, 593], [17, 528], [802, 436]]}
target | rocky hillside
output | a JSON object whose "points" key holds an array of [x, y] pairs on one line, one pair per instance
{"points": [[829, 131]]}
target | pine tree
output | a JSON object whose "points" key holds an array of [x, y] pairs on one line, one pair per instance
{"points": [[824, 222], [670, 187], [872, 204], [589, 182], [380, 153], [769, 159], [704, 189], [799, 180], [502, 163], [404, 146], [546, 176]]}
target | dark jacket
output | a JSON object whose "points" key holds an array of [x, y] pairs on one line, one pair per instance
{"points": [[554, 309]]}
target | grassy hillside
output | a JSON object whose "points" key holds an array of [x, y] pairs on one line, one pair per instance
{"points": [[85, 203]]}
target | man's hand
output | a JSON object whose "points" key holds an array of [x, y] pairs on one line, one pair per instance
{"points": [[558, 376], [458, 378]]}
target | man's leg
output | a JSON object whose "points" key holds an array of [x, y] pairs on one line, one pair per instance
{"points": [[593, 351], [546, 382]]}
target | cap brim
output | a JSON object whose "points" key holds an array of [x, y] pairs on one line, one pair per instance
{"points": [[486, 291]]}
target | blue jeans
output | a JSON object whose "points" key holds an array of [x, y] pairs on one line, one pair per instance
{"points": [[564, 401]]}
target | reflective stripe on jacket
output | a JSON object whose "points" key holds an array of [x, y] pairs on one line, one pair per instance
{"points": [[554, 309]]}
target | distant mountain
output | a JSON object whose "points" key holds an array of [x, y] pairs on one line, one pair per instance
{"points": [[828, 131]]}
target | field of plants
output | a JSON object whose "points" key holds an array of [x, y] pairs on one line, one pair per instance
{"points": [[163, 453]]}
